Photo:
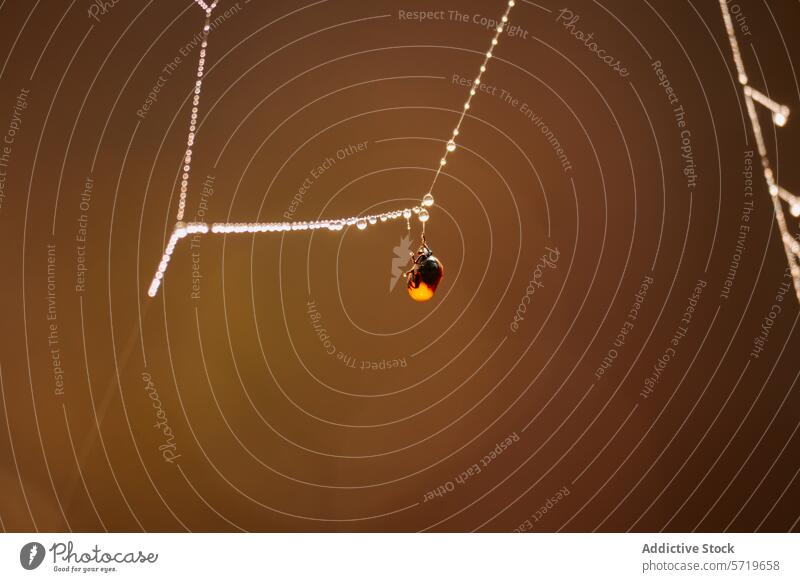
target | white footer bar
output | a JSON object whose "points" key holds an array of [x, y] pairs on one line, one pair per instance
{"points": [[390, 557]]}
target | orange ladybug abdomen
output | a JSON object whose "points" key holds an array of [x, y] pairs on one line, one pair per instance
{"points": [[423, 281]]}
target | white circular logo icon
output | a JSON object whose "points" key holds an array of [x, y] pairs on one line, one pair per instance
{"points": [[31, 555]]}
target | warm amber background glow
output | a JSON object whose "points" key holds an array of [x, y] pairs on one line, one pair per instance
{"points": [[300, 389]]}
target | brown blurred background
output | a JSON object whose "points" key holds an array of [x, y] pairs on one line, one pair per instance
{"points": [[280, 383]]}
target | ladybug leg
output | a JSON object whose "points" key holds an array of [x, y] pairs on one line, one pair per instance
{"points": [[413, 278]]}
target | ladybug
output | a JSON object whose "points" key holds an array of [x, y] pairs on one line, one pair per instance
{"points": [[426, 274]]}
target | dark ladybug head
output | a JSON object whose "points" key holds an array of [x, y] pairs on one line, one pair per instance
{"points": [[424, 253]]}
